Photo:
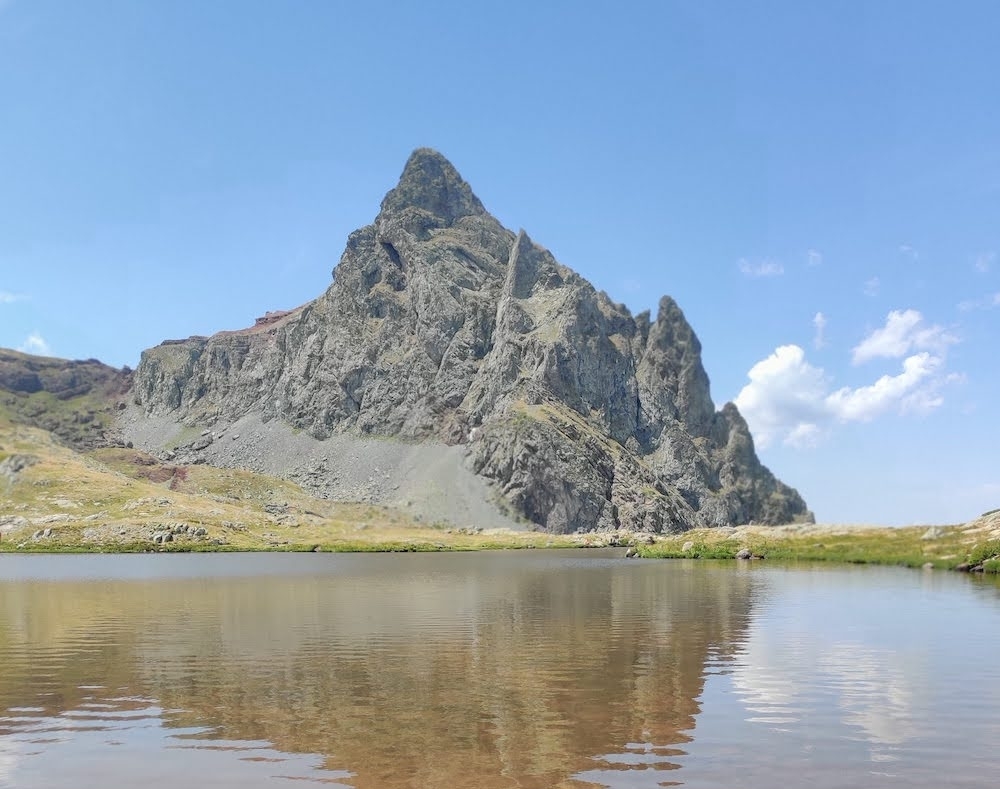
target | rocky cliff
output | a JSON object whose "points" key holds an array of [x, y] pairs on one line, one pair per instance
{"points": [[443, 326]]}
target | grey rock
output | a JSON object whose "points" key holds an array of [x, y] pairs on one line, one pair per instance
{"points": [[13, 522], [687, 546], [744, 553], [442, 325], [12, 466]]}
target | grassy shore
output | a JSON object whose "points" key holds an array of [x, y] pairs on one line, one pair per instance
{"points": [[57, 500], [974, 546], [967, 547]]}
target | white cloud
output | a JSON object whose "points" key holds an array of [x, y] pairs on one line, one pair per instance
{"points": [[904, 331], [804, 435], [984, 262], [872, 286], [908, 251], [984, 303], [785, 398], [35, 344], [6, 297], [763, 268], [819, 321], [790, 400], [865, 403], [814, 258]]}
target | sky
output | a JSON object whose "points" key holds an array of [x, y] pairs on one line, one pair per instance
{"points": [[816, 184]]}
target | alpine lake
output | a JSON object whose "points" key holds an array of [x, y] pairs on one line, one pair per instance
{"points": [[497, 669]]}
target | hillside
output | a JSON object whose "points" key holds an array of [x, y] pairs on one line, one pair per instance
{"points": [[54, 498], [75, 400]]}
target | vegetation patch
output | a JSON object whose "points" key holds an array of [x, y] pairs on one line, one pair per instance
{"points": [[946, 547]]}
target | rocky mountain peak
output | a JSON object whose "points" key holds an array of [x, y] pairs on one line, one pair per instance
{"points": [[443, 326], [431, 183]]}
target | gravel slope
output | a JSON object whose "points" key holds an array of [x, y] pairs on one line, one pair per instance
{"points": [[427, 480]]}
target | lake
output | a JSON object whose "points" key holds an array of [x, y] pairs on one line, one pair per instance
{"points": [[499, 669]]}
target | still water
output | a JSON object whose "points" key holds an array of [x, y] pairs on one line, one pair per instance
{"points": [[527, 669]]}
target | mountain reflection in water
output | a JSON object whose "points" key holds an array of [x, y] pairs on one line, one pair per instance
{"points": [[490, 670]]}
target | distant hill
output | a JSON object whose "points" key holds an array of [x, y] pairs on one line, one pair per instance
{"points": [[75, 400]]}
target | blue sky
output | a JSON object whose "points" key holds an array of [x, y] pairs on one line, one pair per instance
{"points": [[817, 184]]}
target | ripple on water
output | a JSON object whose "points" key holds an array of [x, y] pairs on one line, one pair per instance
{"points": [[147, 739]]}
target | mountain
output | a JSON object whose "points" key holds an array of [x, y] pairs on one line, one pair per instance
{"points": [[448, 342]]}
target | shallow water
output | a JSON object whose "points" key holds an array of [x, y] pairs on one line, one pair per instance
{"points": [[527, 669]]}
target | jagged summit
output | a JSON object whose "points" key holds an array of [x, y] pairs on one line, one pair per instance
{"points": [[431, 183], [442, 327]]}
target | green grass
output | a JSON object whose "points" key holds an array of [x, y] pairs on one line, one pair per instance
{"points": [[988, 551], [904, 547]]}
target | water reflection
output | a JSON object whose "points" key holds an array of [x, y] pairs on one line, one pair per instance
{"points": [[860, 666], [398, 671], [493, 670]]}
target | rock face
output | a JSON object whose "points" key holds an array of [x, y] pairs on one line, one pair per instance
{"points": [[443, 325]]}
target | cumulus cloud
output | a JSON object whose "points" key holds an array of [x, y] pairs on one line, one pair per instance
{"points": [[866, 402], [36, 344], [791, 401], [819, 321], [762, 268], [785, 399], [814, 258], [904, 331]]}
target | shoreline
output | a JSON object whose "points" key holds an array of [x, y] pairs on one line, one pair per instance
{"points": [[969, 548]]}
